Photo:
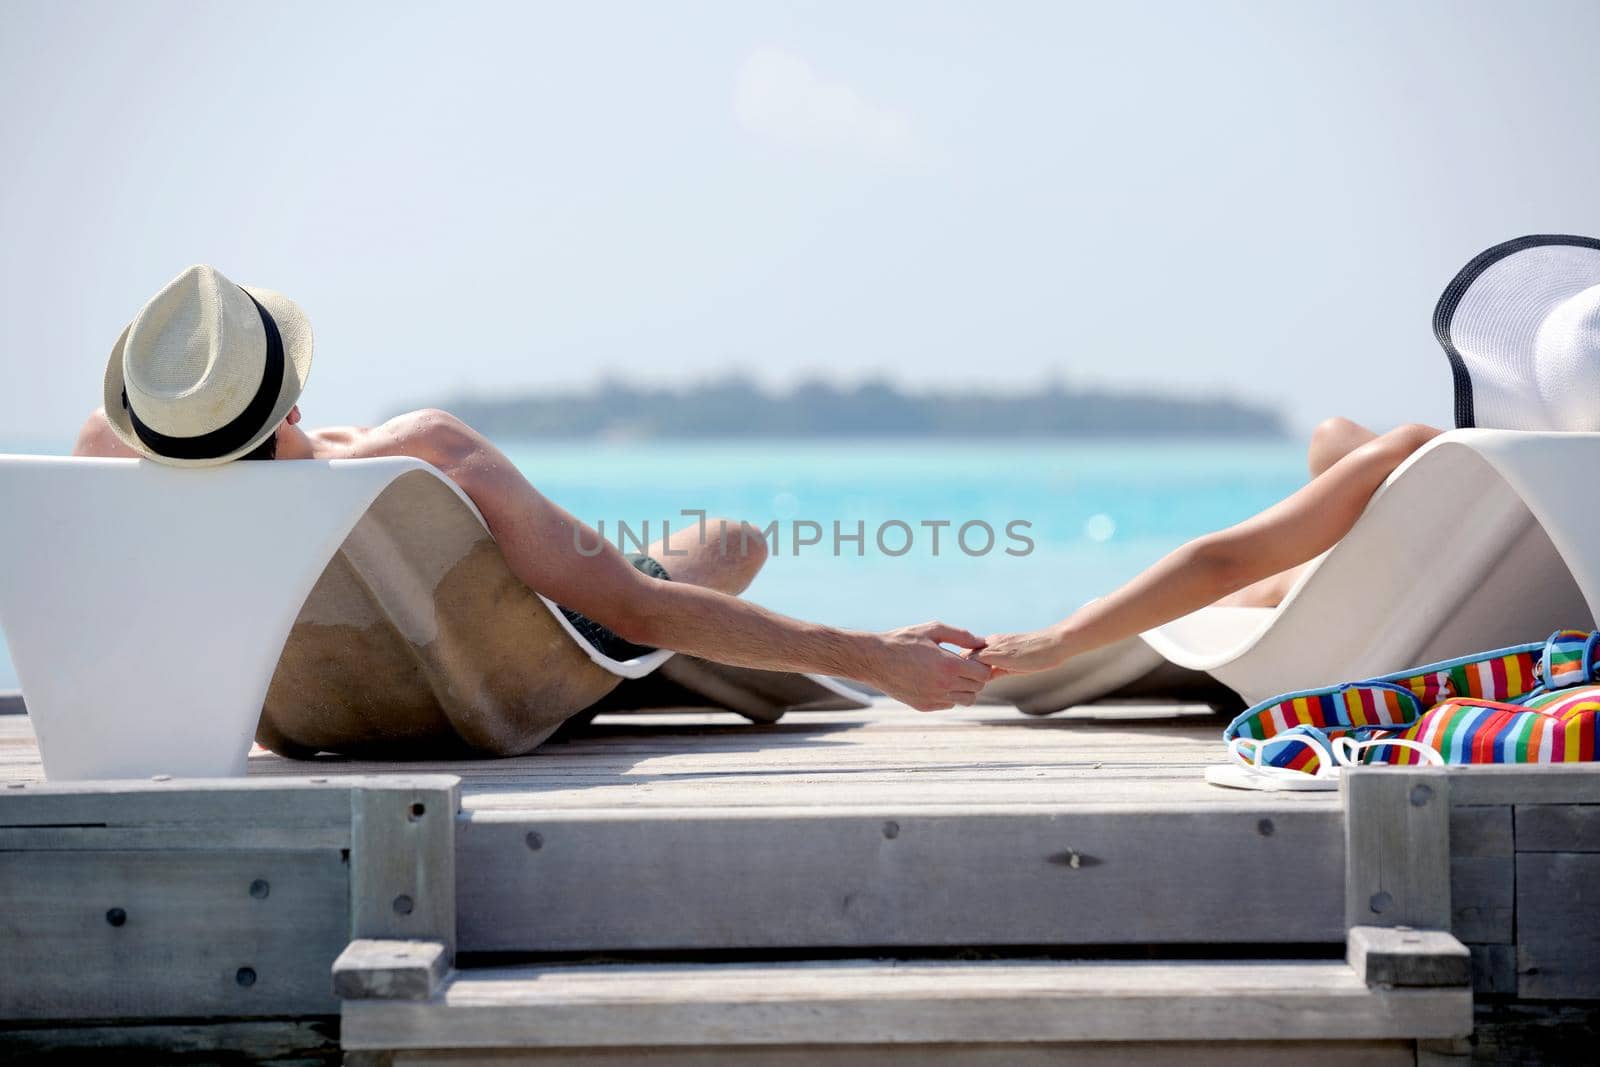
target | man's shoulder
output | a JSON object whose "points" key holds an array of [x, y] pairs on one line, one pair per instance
{"points": [[423, 434]]}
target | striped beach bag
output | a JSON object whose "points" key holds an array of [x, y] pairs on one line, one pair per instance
{"points": [[1535, 703]]}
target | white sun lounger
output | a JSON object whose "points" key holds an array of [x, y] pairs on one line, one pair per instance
{"points": [[1481, 539], [161, 618]]}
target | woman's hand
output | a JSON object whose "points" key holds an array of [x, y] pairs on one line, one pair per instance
{"points": [[1023, 653]]}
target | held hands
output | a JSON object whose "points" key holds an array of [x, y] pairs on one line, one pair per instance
{"points": [[1022, 653], [912, 667]]}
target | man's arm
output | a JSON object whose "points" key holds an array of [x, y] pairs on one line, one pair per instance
{"points": [[541, 542]]}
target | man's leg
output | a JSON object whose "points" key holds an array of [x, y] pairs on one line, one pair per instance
{"points": [[727, 560], [1331, 441]]}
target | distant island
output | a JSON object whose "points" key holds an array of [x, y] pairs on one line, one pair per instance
{"points": [[740, 408]]}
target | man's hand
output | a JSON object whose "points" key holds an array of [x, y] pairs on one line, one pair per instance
{"points": [[910, 666]]}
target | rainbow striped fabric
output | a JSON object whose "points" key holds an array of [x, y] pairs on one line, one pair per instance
{"points": [[1560, 730], [1530, 703]]}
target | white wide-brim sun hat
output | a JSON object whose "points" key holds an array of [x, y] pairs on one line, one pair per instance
{"points": [[1521, 325], [207, 370]]}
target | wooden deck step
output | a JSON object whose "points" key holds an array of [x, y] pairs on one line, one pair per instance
{"points": [[877, 875], [888, 829], [950, 1011]]}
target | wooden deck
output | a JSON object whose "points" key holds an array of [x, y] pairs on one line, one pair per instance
{"points": [[880, 885], [872, 829], [1103, 754]]}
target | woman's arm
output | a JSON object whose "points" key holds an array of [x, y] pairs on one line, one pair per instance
{"points": [[1289, 533]]}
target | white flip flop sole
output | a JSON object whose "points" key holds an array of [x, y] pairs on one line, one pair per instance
{"points": [[1233, 776]]}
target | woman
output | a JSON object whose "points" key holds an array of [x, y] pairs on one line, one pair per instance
{"points": [[1252, 564]]}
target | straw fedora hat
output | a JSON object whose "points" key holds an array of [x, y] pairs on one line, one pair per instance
{"points": [[207, 370], [1521, 325]]}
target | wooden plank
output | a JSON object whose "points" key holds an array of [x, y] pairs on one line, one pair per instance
{"points": [[293, 838], [140, 934], [1535, 1032], [1400, 956], [1558, 827], [1547, 783], [879, 757], [304, 1041], [1494, 969], [1481, 831], [608, 1006], [1444, 1052], [816, 878], [1397, 847], [969, 763], [1041, 1054], [390, 970], [1558, 925], [1483, 898], [907, 790], [403, 862], [189, 803], [318, 802]]}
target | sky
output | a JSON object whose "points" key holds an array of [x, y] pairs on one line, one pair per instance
{"points": [[1261, 200]]}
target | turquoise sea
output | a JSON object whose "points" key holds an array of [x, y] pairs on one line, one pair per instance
{"points": [[1096, 514]]}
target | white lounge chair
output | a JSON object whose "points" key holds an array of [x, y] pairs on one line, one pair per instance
{"points": [[1481, 539], [160, 618]]}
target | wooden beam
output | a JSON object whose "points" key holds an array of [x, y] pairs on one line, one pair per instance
{"points": [[1397, 847], [1549, 783], [201, 805], [201, 898], [1494, 969], [1558, 935], [303, 1040], [854, 876], [1401, 956], [116, 935], [1482, 898], [1391, 1053], [1481, 830], [1558, 827], [403, 862], [370, 969], [856, 1002]]}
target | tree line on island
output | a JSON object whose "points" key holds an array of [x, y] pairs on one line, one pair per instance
{"points": [[740, 407]]}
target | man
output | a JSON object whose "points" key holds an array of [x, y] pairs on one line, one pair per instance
{"points": [[210, 372]]}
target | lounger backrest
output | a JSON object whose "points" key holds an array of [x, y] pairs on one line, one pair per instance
{"points": [[145, 607]]}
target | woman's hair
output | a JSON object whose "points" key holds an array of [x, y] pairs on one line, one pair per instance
{"points": [[267, 449]]}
